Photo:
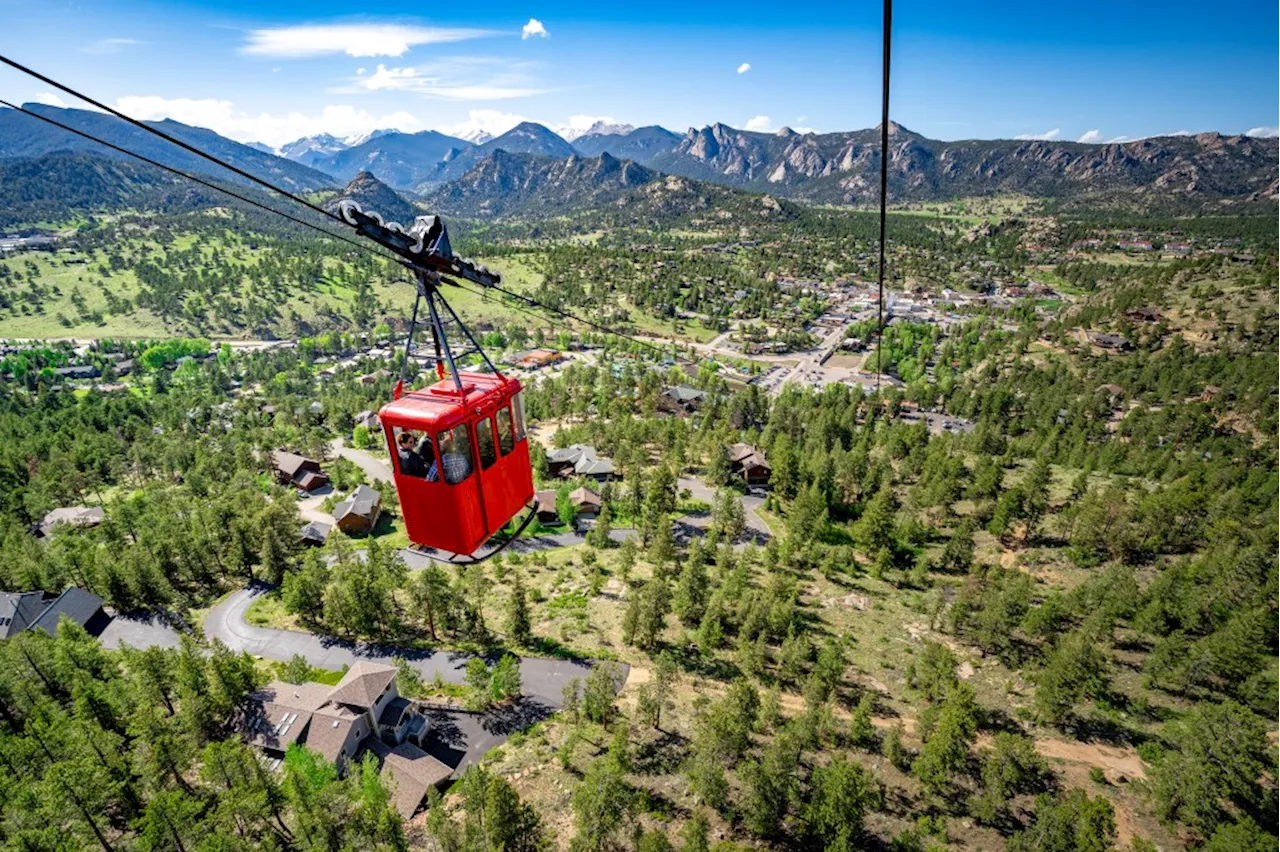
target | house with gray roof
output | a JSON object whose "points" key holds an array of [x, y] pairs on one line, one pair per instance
{"points": [[18, 610], [315, 533], [358, 513], [681, 400], [36, 610], [580, 460], [76, 516]]}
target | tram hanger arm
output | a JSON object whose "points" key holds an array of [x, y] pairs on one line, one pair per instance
{"points": [[425, 243]]}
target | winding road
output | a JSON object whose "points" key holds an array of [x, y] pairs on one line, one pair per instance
{"points": [[543, 679]]}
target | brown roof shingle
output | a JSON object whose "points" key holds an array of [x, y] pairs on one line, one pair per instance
{"points": [[409, 772], [362, 684]]}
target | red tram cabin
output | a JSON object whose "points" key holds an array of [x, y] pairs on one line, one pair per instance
{"points": [[460, 459]]}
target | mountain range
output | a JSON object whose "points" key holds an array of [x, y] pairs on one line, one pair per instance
{"points": [[530, 168], [842, 168], [24, 136]]}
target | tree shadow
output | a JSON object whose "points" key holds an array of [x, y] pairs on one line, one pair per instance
{"points": [[662, 755], [523, 712]]}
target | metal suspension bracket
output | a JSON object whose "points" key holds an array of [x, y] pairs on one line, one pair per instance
{"points": [[425, 245]]}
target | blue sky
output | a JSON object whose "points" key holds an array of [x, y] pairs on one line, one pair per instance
{"points": [[272, 72]]}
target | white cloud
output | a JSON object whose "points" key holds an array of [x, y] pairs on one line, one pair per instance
{"points": [[454, 80], [109, 45], [1047, 136], [1091, 136], [1262, 132], [761, 123], [1179, 133], [533, 29], [491, 121], [804, 130], [744, 67], [351, 39], [1123, 139], [50, 99], [271, 129]]}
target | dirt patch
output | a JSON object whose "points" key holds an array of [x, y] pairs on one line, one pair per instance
{"points": [[635, 677], [1119, 764], [965, 670], [853, 600]]}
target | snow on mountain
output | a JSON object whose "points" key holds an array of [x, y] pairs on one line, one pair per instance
{"points": [[570, 132]]}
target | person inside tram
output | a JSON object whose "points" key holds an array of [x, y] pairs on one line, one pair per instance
{"points": [[455, 454], [411, 462]]}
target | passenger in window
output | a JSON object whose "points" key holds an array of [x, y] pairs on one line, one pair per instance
{"points": [[411, 462], [456, 459]]}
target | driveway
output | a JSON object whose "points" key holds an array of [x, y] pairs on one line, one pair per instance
{"points": [[375, 467], [139, 632], [755, 530]]}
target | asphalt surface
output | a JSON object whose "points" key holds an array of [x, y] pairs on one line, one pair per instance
{"points": [[139, 632], [543, 678]]}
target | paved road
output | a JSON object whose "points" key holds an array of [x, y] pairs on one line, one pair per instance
{"points": [[375, 466], [543, 679], [756, 529]]}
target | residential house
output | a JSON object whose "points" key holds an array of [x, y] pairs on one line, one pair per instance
{"points": [[409, 772], [369, 420], [18, 610], [545, 506], [84, 608], [596, 469], [374, 377], [561, 462], [123, 367], [586, 503], [681, 399], [299, 471], [76, 516], [364, 711], [359, 512], [1114, 342], [21, 611], [315, 534], [746, 461], [1145, 315]]}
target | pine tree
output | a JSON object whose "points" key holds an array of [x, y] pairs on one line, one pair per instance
{"points": [[518, 627]]}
